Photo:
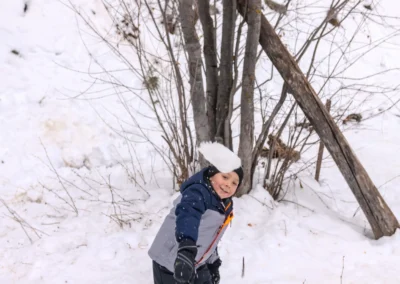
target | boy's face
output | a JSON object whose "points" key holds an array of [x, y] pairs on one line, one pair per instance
{"points": [[225, 184]]}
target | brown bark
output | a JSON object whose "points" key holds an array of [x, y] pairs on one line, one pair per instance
{"points": [[210, 56], [321, 149], [381, 218], [193, 48], [226, 77], [247, 98]]}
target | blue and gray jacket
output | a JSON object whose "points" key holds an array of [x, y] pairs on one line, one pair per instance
{"points": [[198, 214]]}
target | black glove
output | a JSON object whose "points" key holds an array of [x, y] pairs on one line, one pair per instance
{"points": [[214, 271], [184, 269]]}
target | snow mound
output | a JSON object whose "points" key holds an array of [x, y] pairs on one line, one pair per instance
{"points": [[220, 156]]}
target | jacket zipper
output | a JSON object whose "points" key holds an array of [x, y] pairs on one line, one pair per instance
{"points": [[227, 220]]}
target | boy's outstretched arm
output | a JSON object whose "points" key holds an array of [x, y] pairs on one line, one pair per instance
{"points": [[188, 213]]}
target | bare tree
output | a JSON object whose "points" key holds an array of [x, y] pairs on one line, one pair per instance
{"points": [[379, 215], [224, 100], [253, 18], [210, 56], [225, 67], [193, 48]]}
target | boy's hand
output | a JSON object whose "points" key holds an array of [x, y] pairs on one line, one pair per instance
{"points": [[184, 269], [214, 271]]}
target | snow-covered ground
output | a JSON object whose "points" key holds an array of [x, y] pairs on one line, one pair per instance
{"points": [[65, 175]]}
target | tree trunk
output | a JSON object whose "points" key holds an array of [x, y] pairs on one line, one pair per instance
{"points": [[193, 48], [210, 56], [382, 220], [247, 97], [226, 77]]}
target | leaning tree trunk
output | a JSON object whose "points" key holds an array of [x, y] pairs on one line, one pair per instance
{"points": [[382, 220], [193, 48], [223, 134], [247, 97]]}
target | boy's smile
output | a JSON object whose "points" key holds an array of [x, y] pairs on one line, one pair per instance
{"points": [[225, 184]]}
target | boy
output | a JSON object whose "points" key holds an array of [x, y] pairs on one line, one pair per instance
{"points": [[185, 248]]}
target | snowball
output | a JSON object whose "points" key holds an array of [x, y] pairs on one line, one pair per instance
{"points": [[220, 156]]}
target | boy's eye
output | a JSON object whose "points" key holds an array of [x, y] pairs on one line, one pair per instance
{"points": [[225, 177]]}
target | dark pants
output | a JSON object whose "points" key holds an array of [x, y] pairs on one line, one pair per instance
{"points": [[164, 276]]}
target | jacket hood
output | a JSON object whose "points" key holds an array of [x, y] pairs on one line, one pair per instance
{"points": [[198, 178]]}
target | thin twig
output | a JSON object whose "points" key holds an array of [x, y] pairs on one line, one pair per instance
{"points": [[341, 275], [285, 200], [262, 203], [22, 222], [243, 267], [71, 200]]}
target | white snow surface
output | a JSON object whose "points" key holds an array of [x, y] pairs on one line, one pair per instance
{"points": [[220, 156], [80, 204]]}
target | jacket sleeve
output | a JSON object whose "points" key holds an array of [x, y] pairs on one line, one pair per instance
{"points": [[188, 213]]}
